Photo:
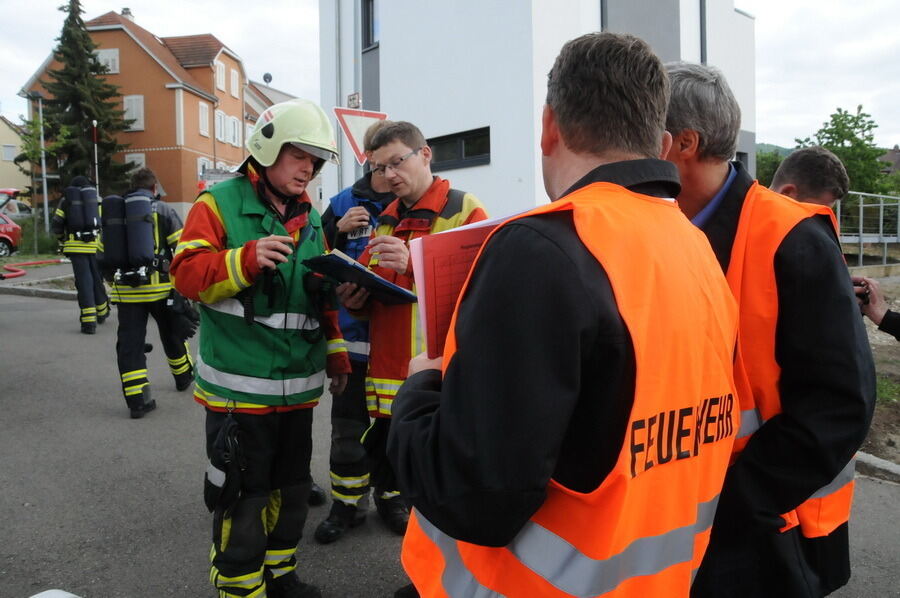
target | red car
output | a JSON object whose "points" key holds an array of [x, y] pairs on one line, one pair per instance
{"points": [[10, 235]]}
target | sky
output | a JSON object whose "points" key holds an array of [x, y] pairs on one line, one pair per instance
{"points": [[812, 56]]}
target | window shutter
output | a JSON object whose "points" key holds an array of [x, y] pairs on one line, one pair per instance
{"points": [[134, 109], [204, 119]]}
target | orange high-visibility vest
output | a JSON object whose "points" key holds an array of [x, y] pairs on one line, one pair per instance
{"points": [[766, 219], [644, 530]]}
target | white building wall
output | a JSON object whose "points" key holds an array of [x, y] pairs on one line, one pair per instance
{"points": [[730, 46], [689, 20], [339, 49], [453, 67], [553, 24]]}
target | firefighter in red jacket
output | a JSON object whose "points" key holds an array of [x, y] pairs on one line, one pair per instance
{"points": [[573, 439], [425, 204], [781, 527]]}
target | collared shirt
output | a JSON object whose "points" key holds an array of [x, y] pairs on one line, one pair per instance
{"points": [[706, 213]]}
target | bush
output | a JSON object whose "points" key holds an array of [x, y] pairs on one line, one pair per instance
{"points": [[46, 243]]}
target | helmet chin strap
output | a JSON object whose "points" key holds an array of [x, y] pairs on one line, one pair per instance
{"points": [[264, 182]]}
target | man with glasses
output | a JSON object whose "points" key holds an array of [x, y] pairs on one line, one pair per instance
{"points": [[424, 204], [348, 223]]}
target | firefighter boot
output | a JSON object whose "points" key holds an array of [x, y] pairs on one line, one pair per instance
{"points": [[316, 496], [141, 404], [289, 586], [394, 513], [88, 327], [341, 517], [184, 379]]}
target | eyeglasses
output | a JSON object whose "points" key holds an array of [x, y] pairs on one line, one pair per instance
{"points": [[395, 165]]}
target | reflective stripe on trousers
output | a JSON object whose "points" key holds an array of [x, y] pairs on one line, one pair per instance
{"points": [[566, 568]]}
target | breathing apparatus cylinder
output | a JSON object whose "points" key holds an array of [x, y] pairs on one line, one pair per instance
{"points": [[74, 210], [82, 212], [139, 223], [115, 243]]}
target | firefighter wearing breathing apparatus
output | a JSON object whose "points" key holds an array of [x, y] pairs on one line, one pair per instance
{"points": [[140, 233], [76, 222], [269, 338]]}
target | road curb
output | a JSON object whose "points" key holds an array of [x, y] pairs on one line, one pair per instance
{"points": [[29, 291], [877, 467]]}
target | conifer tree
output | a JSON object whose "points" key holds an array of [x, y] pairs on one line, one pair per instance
{"points": [[80, 94]]}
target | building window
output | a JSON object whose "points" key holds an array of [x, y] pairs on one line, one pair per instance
{"points": [[248, 131], [9, 153], [220, 125], [371, 29], [202, 165], [221, 166], [220, 76], [109, 58], [460, 150], [134, 110], [137, 160], [235, 83]]}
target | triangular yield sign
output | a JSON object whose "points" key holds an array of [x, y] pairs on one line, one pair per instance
{"points": [[355, 123]]}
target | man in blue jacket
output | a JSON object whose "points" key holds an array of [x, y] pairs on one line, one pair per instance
{"points": [[348, 223]]}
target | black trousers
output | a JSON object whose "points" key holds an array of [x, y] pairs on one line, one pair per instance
{"points": [[349, 421], [130, 344], [92, 297], [266, 524]]}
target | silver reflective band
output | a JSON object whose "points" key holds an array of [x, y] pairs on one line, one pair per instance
{"points": [[566, 568], [751, 420], [842, 479], [279, 321], [358, 347], [215, 476], [259, 386]]}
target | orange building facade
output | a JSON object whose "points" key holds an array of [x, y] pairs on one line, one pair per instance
{"points": [[186, 94]]}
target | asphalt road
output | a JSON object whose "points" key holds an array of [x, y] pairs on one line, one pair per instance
{"points": [[108, 507]]}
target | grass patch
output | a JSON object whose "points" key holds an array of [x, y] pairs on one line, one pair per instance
{"points": [[887, 390]]}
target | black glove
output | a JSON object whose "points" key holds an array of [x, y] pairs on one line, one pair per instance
{"points": [[185, 317]]}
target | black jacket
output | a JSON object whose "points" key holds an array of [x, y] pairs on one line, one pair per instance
{"points": [[535, 288], [827, 390]]}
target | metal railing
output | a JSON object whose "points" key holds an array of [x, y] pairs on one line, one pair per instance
{"points": [[867, 221]]}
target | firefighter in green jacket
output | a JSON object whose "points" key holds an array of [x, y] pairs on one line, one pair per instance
{"points": [[268, 337]]}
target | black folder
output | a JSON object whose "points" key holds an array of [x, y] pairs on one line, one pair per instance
{"points": [[343, 268]]}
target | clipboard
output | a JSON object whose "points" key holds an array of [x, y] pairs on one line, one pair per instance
{"points": [[343, 268]]}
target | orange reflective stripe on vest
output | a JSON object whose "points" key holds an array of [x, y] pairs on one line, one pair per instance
{"points": [[766, 219], [644, 530]]}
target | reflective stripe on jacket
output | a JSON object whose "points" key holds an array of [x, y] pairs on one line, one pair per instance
{"points": [[766, 219], [395, 332], [644, 529]]}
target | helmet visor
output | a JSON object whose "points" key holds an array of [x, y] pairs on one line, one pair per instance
{"points": [[318, 152]]}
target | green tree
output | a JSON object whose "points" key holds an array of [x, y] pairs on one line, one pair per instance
{"points": [[850, 136], [80, 94], [766, 165]]}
